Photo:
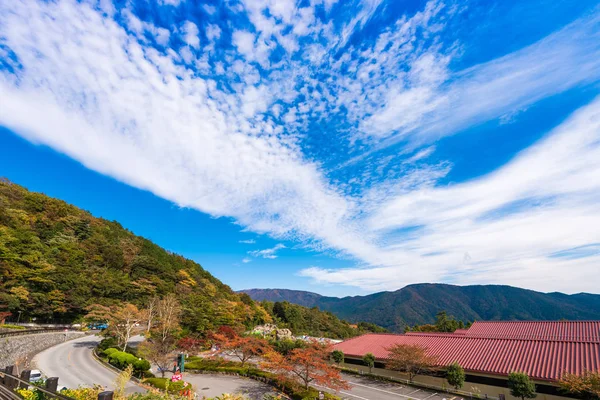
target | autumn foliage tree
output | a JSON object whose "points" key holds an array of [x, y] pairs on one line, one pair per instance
{"points": [[586, 385], [190, 344], [4, 315], [244, 348], [162, 340], [305, 366], [122, 320], [410, 359]]}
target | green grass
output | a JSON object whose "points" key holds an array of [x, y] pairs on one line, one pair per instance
{"points": [[9, 326]]}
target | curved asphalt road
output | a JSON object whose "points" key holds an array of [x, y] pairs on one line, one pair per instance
{"points": [[75, 365]]}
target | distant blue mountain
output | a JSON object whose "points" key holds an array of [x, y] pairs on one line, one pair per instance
{"points": [[419, 303]]}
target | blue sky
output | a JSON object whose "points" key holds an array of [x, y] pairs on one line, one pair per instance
{"points": [[338, 147]]}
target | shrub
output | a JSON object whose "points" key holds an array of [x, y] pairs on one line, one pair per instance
{"points": [[121, 360], [109, 351], [164, 383], [107, 343]]}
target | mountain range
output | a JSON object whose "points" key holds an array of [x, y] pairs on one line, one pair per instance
{"points": [[419, 303]]}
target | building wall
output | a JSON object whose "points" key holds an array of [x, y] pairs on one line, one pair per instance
{"points": [[475, 388]]}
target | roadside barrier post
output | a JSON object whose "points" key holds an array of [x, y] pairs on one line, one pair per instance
{"points": [[105, 395], [25, 375], [52, 384], [9, 382]]}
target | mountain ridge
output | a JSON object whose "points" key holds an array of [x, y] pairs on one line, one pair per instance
{"points": [[418, 303]]}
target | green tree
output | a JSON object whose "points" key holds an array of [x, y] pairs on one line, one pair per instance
{"points": [[521, 386], [455, 375], [337, 356], [369, 360]]}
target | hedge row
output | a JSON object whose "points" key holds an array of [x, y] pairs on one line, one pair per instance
{"points": [[228, 367], [121, 360]]}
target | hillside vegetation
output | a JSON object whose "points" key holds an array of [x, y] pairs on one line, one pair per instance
{"points": [[418, 304], [56, 259]]}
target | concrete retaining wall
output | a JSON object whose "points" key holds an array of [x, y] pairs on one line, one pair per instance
{"points": [[21, 349]]}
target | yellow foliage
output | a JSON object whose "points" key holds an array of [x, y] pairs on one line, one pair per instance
{"points": [[185, 278], [20, 292]]}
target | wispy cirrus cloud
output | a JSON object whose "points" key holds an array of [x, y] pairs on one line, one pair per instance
{"points": [[218, 118], [248, 241], [270, 253], [528, 222]]}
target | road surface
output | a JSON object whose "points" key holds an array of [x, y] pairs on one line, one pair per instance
{"points": [[363, 388], [75, 365]]}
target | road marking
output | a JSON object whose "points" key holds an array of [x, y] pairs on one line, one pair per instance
{"points": [[418, 390], [353, 395], [429, 396], [382, 390], [346, 393]]}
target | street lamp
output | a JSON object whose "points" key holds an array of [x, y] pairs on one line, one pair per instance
{"points": [[19, 317]]}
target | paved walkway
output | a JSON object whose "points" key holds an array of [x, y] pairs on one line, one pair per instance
{"points": [[211, 385]]}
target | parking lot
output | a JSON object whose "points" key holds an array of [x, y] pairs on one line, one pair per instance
{"points": [[363, 388]]}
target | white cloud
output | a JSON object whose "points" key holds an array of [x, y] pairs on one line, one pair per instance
{"points": [[107, 98], [248, 241], [190, 34], [561, 61], [246, 260], [162, 36], [174, 3], [267, 253], [209, 9], [510, 222], [213, 32], [244, 41]]}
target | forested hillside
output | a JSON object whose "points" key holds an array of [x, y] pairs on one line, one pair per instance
{"points": [[56, 259], [418, 304]]}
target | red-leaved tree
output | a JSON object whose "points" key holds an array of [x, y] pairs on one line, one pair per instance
{"points": [[305, 366], [243, 348], [190, 344]]}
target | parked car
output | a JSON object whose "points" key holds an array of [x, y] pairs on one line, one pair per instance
{"points": [[36, 376]]}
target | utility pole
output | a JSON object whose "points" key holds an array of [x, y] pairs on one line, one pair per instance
{"points": [[19, 317]]}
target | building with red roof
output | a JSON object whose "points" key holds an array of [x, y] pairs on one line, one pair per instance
{"points": [[489, 351]]}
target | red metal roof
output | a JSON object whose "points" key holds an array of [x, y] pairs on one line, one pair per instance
{"points": [[581, 331], [543, 355]]}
